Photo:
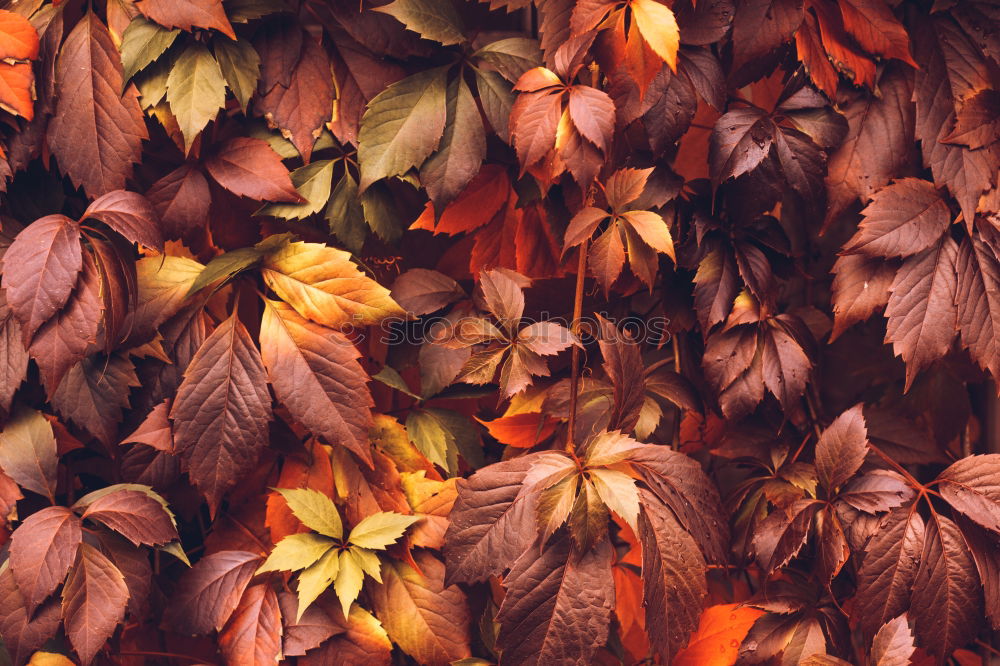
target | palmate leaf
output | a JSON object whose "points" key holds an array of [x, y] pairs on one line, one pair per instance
{"points": [[295, 552], [379, 530], [315, 510]]}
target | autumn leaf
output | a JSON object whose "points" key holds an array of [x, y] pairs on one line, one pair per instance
{"points": [[208, 593], [720, 631], [93, 601], [28, 452], [248, 167], [43, 549]]}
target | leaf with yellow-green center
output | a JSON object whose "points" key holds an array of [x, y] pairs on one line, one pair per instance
{"points": [[322, 284], [554, 505], [316, 579], [315, 510], [196, 90], [313, 183], [379, 530], [368, 561], [225, 266], [588, 520], [295, 552], [349, 581], [618, 492], [609, 448]]}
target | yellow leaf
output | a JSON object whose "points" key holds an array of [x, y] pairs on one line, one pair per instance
{"points": [[322, 284], [349, 581], [295, 552], [316, 578], [315, 510], [50, 659], [380, 529], [658, 27], [618, 492], [652, 229], [717, 640]]}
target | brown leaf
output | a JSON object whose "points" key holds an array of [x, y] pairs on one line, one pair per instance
{"points": [[921, 311], [877, 31], [761, 26], [96, 133], [135, 515], [715, 286], [854, 169], [93, 393], [188, 14], [781, 535], [786, 366], [217, 434], [301, 107], [876, 491], [558, 604], [248, 167], [492, 521], [979, 304], [69, 336], [889, 569], [421, 291], [534, 119], [423, 616], [40, 270], [181, 199], [623, 363], [155, 430], [13, 356], [93, 602], [860, 287], [363, 642], [893, 644], [43, 548], [947, 605], [673, 570], [733, 368], [977, 123], [208, 593], [904, 218], [841, 449], [24, 632], [253, 633], [130, 214], [310, 631], [972, 486], [593, 115], [315, 373]]}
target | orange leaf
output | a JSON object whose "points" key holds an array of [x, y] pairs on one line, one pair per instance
{"points": [[18, 39], [316, 474], [482, 198], [17, 88], [522, 431], [717, 640]]}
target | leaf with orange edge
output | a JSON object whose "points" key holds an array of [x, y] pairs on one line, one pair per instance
{"points": [[522, 431], [658, 27], [18, 38], [17, 89], [313, 471], [478, 203], [716, 641]]}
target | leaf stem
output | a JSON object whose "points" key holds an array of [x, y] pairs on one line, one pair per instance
{"points": [[581, 275]]}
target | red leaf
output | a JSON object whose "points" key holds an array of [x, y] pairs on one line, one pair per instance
{"points": [[94, 601], [972, 486], [130, 214], [521, 431], [188, 14], [217, 434], [761, 26], [42, 551], [248, 167], [253, 633], [93, 393], [534, 119], [40, 270], [978, 301], [13, 356], [135, 515], [181, 199], [875, 28], [479, 202], [96, 132], [302, 107], [23, 632], [593, 115], [902, 219], [893, 644], [209, 592], [860, 287]]}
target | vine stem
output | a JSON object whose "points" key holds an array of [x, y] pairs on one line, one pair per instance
{"points": [[581, 275]]}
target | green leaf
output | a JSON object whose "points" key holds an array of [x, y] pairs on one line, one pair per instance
{"points": [[436, 20], [463, 147], [618, 492], [243, 11], [431, 438], [296, 551], [240, 66], [402, 125], [142, 43], [152, 81], [315, 510], [388, 376], [226, 266], [195, 90], [368, 561], [350, 578], [345, 215], [313, 182], [316, 579], [379, 530], [381, 213], [511, 57], [177, 550], [497, 98]]}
